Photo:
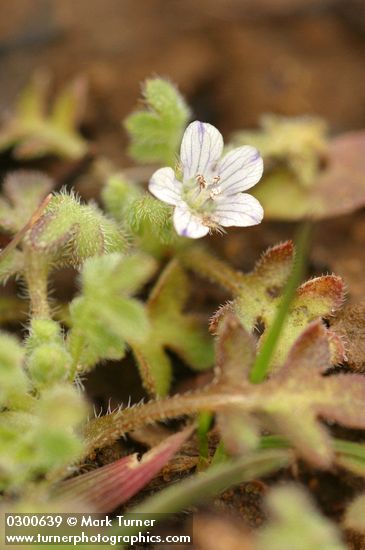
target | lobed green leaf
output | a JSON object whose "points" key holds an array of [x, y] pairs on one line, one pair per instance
{"points": [[156, 132], [33, 132], [173, 330]]}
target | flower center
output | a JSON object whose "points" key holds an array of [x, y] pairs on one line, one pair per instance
{"points": [[199, 194]]}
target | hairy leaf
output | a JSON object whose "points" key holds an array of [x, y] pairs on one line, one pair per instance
{"points": [[297, 143], [328, 196], [104, 317], [48, 361], [145, 218], [147, 215], [291, 403], [35, 131], [308, 168], [11, 264], [173, 330], [13, 381], [69, 232], [349, 325], [293, 398], [42, 439], [257, 296], [239, 432], [156, 131]]}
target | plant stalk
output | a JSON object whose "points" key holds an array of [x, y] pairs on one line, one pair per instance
{"points": [[36, 277]]}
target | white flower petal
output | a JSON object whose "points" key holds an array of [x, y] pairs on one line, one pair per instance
{"points": [[201, 148], [240, 169], [164, 186], [187, 224], [240, 210]]}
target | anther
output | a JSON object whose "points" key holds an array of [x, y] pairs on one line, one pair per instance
{"points": [[214, 192], [201, 181]]}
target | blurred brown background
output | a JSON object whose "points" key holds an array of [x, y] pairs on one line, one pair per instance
{"points": [[235, 59]]}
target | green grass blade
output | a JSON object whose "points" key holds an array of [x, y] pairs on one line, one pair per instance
{"points": [[262, 363]]}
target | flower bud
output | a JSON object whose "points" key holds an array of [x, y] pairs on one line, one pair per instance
{"points": [[49, 363]]}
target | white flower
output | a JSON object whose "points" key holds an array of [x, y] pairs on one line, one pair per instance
{"points": [[210, 195]]}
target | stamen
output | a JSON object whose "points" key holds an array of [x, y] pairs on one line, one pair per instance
{"points": [[201, 181], [215, 191]]}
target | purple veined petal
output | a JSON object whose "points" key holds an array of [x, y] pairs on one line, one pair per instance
{"points": [[241, 210], [240, 169], [201, 148], [165, 187], [187, 224]]}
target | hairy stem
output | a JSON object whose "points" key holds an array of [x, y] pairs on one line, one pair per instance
{"points": [[36, 276], [104, 430], [36, 269], [202, 263]]}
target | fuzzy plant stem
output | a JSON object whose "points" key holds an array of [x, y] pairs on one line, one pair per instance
{"points": [[36, 277], [204, 264], [36, 269], [107, 429]]}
